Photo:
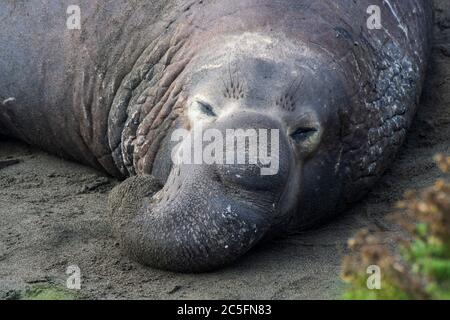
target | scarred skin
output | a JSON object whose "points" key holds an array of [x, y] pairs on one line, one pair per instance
{"points": [[110, 95]]}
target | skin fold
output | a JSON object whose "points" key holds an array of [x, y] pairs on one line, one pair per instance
{"points": [[110, 95]]}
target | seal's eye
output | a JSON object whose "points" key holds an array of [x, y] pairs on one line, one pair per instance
{"points": [[302, 134], [206, 109], [202, 111]]}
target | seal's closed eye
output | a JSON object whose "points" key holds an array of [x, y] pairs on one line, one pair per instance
{"points": [[202, 111], [206, 109], [303, 133], [306, 138]]}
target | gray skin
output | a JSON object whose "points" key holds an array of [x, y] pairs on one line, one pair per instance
{"points": [[111, 94]]}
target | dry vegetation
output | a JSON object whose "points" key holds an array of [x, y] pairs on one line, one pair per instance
{"points": [[420, 267]]}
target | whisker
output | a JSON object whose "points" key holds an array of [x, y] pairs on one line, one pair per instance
{"points": [[295, 95], [229, 70]]}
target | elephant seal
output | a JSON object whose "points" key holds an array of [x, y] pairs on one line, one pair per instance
{"points": [[111, 94]]}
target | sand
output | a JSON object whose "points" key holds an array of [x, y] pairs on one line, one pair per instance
{"points": [[53, 214]]}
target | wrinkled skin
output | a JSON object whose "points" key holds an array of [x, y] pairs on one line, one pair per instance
{"points": [[341, 96]]}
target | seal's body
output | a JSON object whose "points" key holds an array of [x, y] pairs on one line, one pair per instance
{"points": [[110, 94]]}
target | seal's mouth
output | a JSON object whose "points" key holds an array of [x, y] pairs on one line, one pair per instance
{"points": [[199, 227]]}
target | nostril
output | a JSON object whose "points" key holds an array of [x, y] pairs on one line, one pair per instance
{"points": [[247, 177], [217, 177]]}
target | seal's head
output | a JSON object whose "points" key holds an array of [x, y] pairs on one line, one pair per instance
{"points": [[260, 140]]}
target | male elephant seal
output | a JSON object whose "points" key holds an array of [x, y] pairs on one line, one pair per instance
{"points": [[111, 94]]}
